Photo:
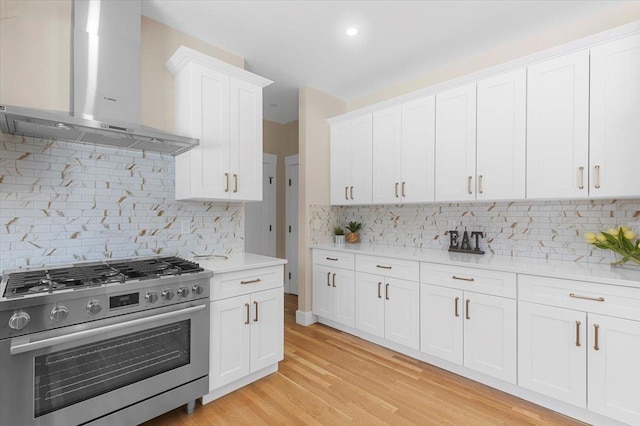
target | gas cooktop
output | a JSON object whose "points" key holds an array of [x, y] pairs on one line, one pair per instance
{"points": [[48, 280]]}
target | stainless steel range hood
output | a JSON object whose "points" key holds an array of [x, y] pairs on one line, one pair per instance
{"points": [[106, 86]]}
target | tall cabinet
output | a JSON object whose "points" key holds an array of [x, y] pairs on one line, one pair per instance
{"points": [[221, 105]]}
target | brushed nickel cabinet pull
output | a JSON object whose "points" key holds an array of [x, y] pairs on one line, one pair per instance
{"points": [[332, 258], [328, 278], [386, 291], [351, 191], [596, 327], [334, 280], [397, 189], [346, 192], [595, 299], [597, 177], [247, 306], [256, 318], [456, 306], [383, 267], [379, 289], [577, 333], [455, 277], [469, 184], [403, 184], [581, 184], [235, 184], [480, 184], [257, 280], [466, 308], [226, 188]]}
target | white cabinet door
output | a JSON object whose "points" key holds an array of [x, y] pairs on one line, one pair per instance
{"points": [[340, 167], [615, 108], [402, 312], [230, 338], [343, 288], [418, 150], [361, 139], [387, 155], [267, 328], [558, 127], [202, 111], [245, 154], [490, 335], [501, 136], [369, 303], [614, 370], [456, 143], [322, 293], [441, 322], [552, 352]]}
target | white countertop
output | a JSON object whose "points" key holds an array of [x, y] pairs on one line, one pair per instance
{"points": [[601, 273], [221, 264]]}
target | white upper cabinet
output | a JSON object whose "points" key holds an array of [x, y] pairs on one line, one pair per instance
{"points": [[351, 161], [456, 144], [615, 123], [501, 136], [221, 105], [403, 152], [558, 127]]}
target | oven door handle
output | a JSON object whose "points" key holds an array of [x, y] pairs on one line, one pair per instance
{"points": [[39, 344]]}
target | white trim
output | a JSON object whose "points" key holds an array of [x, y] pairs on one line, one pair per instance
{"points": [[305, 318], [184, 56], [228, 388], [269, 158], [291, 160], [563, 49]]}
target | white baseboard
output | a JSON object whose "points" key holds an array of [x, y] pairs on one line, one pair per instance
{"points": [[305, 318], [221, 391]]}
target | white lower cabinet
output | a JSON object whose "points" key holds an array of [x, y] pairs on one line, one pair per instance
{"points": [[333, 294], [389, 308]]}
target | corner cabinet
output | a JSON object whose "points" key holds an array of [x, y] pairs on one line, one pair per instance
{"points": [[221, 105]]}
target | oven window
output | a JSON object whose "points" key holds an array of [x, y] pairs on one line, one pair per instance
{"points": [[67, 377]]}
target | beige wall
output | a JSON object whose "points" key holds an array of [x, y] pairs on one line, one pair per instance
{"points": [[314, 108], [511, 49], [282, 141]]}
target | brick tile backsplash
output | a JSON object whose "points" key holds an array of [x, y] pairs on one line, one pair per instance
{"points": [[65, 202]]}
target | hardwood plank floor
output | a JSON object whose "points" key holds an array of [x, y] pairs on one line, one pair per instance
{"points": [[332, 378]]}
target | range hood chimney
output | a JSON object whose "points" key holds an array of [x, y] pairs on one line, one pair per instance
{"points": [[106, 86]]}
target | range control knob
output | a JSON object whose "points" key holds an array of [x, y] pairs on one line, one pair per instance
{"points": [[19, 320], [151, 297], [197, 289], [59, 313], [183, 292], [94, 307], [168, 294]]}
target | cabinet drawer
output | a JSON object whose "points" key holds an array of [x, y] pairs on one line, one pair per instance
{"points": [[622, 302], [244, 282], [335, 259], [389, 267], [471, 279]]}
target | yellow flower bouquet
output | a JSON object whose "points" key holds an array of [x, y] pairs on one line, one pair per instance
{"points": [[618, 240]]}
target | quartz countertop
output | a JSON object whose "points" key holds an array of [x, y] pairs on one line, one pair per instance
{"points": [[221, 264], [628, 276]]}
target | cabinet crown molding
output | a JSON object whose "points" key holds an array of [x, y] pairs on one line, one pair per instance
{"points": [[185, 56]]}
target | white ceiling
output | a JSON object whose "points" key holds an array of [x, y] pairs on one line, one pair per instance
{"points": [[303, 43]]}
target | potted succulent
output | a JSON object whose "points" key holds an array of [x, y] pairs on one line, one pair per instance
{"points": [[353, 236], [338, 233]]}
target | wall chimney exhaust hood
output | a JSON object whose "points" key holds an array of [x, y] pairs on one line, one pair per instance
{"points": [[106, 86]]}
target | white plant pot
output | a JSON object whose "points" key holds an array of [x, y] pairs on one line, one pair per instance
{"points": [[338, 239]]}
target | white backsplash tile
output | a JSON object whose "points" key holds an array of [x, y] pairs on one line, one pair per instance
{"points": [[65, 202]]}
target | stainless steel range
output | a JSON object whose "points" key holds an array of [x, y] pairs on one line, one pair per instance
{"points": [[115, 342]]}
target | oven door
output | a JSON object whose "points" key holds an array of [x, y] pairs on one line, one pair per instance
{"points": [[75, 374]]}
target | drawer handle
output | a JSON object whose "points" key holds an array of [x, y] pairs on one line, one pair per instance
{"points": [[257, 280], [455, 277], [247, 306], [595, 299], [334, 280], [379, 287], [466, 308], [456, 306], [328, 278], [386, 291], [596, 347], [332, 258], [577, 333], [383, 267], [256, 318]]}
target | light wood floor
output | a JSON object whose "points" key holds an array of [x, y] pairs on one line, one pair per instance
{"points": [[332, 378]]}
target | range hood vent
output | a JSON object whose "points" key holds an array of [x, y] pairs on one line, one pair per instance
{"points": [[106, 86]]}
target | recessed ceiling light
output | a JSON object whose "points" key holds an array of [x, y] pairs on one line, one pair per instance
{"points": [[352, 31]]}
